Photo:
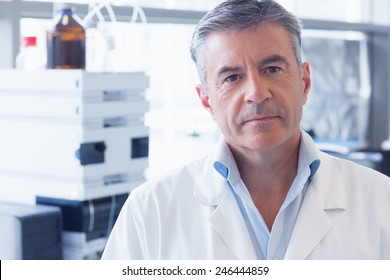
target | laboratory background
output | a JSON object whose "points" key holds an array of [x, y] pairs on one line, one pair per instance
{"points": [[75, 142]]}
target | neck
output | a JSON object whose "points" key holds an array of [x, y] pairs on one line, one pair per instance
{"points": [[268, 177], [269, 172], [264, 168]]}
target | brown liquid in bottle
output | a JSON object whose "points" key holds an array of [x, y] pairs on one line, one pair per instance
{"points": [[66, 42]]}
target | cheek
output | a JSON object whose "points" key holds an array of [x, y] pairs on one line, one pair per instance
{"points": [[221, 112], [226, 109], [299, 108], [300, 98]]}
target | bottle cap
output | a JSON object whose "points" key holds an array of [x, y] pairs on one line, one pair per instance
{"points": [[59, 6], [65, 6], [29, 41]]}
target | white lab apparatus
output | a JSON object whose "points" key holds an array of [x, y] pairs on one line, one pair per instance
{"points": [[71, 134]]}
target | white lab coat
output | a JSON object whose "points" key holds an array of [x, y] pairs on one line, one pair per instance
{"points": [[191, 214]]}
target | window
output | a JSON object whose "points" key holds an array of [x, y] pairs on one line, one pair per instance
{"points": [[338, 104]]}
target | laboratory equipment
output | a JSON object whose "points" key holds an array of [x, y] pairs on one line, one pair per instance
{"points": [[71, 137], [71, 134], [30, 232]]}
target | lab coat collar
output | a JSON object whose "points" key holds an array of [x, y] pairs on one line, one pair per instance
{"points": [[327, 182], [308, 155], [226, 219], [211, 184]]}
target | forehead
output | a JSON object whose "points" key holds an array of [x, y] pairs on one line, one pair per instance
{"points": [[256, 41]]}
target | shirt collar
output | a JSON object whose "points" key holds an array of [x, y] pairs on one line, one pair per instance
{"points": [[225, 164], [309, 155]]}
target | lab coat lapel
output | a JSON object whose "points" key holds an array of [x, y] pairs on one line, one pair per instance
{"points": [[311, 227], [228, 222], [313, 222], [211, 189]]}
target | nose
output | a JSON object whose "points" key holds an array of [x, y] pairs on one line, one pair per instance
{"points": [[257, 90]]}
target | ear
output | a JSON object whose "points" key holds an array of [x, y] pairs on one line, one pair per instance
{"points": [[306, 80], [204, 98]]}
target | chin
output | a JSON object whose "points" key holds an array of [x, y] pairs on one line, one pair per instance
{"points": [[266, 141]]}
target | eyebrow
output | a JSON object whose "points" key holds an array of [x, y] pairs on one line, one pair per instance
{"points": [[268, 60], [273, 59], [227, 69]]}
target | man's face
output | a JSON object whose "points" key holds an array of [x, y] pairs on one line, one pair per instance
{"points": [[255, 88]]}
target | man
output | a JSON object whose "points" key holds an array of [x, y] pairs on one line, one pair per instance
{"points": [[266, 191]]}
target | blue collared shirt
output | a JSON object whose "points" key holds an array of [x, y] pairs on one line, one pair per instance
{"points": [[271, 245]]}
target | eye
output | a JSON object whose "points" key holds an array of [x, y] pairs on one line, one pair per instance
{"points": [[232, 78], [273, 69]]}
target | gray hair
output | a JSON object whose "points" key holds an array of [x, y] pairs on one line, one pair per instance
{"points": [[239, 15]]}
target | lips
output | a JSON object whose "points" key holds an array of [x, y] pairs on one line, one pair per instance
{"points": [[260, 118]]}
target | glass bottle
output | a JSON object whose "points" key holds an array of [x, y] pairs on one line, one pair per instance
{"points": [[66, 41]]}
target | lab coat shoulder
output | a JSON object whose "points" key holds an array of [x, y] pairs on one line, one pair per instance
{"points": [[138, 230], [346, 212], [358, 182]]}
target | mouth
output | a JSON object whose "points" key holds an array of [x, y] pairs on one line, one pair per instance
{"points": [[260, 119]]}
